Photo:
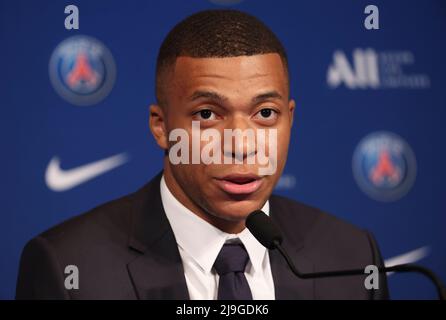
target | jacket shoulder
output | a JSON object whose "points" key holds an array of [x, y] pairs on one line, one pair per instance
{"points": [[106, 221], [320, 230], [95, 242]]}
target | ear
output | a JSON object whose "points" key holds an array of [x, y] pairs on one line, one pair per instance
{"points": [[157, 123], [291, 106]]}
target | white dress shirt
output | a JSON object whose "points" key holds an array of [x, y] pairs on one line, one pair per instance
{"points": [[199, 243]]}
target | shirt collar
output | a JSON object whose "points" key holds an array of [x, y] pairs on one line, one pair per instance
{"points": [[201, 240]]}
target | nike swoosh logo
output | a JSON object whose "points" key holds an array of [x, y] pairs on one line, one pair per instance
{"points": [[408, 257], [59, 180]]}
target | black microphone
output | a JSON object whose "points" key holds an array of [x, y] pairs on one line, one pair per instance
{"points": [[268, 234]]}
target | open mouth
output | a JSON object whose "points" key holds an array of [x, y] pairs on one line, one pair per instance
{"points": [[240, 183]]}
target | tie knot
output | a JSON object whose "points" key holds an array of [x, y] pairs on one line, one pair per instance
{"points": [[233, 257]]}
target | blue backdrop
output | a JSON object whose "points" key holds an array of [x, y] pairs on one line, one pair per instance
{"points": [[366, 144]]}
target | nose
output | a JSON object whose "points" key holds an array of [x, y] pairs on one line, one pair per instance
{"points": [[239, 140]]}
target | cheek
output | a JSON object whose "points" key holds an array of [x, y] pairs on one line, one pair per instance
{"points": [[197, 184], [187, 178], [177, 120], [283, 139], [193, 177]]}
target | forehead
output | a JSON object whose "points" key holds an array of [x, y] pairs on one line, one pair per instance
{"points": [[235, 74]]}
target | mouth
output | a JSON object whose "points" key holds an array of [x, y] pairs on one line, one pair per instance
{"points": [[240, 183]]}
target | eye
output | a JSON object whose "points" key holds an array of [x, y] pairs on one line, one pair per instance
{"points": [[266, 114], [205, 114]]}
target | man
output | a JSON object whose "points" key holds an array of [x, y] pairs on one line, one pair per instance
{"points": [[183, 235]]}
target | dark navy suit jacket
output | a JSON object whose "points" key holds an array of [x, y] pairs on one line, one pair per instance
{"points": [[125, 249]]}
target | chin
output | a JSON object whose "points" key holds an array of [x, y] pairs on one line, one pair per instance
{"points": [[237, 210]]}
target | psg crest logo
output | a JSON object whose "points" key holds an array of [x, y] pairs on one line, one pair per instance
{"points": [[82, 70], [384, 166]]}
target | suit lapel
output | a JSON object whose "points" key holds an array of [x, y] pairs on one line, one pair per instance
{"points": [[287, 286], [157, 272]]}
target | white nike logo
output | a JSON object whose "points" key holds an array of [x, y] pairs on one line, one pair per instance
{"points": [[58, 179], [408, 257]]}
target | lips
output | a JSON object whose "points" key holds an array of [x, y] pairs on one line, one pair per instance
{"points": [[240, 183]]}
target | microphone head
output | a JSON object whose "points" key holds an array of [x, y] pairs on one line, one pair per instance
{"points": [[263, 229]]}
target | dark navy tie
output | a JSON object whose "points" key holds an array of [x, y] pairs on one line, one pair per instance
{"points": [[230, 266]]}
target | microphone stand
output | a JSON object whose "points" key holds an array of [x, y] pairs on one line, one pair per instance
{"points": [[441, 291]]}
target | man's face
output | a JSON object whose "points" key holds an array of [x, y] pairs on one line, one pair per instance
{"points": [[245, 92]]}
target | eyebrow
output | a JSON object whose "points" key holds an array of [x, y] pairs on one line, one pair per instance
{"points": [[200, 94], [212, 95], [265, 96]]}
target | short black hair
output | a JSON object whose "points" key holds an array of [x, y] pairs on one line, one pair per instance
{"points": [[216, 34]]}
